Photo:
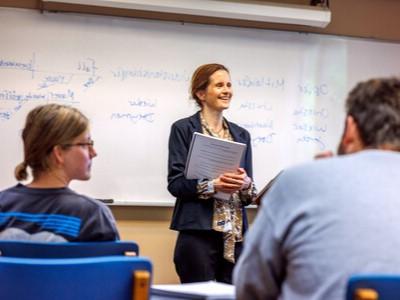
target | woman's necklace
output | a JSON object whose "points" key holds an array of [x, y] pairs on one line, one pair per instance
{"points": [[216, 132], [220, 133]]}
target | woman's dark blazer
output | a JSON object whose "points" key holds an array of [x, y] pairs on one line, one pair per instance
{"points": [[191, 213]]}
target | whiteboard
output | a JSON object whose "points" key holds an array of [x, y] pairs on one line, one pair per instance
{"points": [[131, 78]]}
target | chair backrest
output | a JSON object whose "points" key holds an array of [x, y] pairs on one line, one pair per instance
{"points": [[373, 286], [66, 250], [100, 278]]}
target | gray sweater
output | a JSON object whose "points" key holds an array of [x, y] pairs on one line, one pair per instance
{"points": [[320, 223]]}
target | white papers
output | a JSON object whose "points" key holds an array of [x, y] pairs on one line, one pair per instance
{"points": [[202, 290], [210, 157]]}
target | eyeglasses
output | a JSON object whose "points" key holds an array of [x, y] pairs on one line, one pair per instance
{"points": [[87, 144]]}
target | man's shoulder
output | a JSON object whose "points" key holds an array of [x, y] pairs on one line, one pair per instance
{"points": [[347, 161], [312, 176], [318, 165], [327, 174]]}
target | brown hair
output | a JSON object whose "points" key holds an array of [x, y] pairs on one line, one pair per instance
{"points": [[375, 107], [201, 78], [47, 126]]}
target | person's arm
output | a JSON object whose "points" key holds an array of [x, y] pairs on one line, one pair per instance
{"points": [[228, 183], [248, 192], [236, 182], [178, 185], [260, 268]]}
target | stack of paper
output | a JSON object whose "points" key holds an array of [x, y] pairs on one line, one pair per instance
{"points": [[210, 157], [209, 290]]}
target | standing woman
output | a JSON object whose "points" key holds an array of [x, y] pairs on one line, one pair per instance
{"points": [[210, 230], [57, 149]]}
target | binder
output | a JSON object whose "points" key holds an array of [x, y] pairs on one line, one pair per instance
{"points": [[210, 157], [265, 189]]}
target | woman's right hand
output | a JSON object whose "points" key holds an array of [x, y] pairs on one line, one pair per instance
{"points": [[230, 182]]}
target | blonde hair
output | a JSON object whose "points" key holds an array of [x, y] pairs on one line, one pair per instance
{"points": [[47, 126]]}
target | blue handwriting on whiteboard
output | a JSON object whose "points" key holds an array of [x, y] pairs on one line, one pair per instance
{"points": [[268, 139], [17, 65], [143, 102], [249, 82], [68, 96], [123, 74], [312, 139], [55, 79], [252, 105], [313, 90], [88, 66], [91, 81], [134, 118], [12, 95], [309, 127], [259, 124], [5, 115], [311, 112]]}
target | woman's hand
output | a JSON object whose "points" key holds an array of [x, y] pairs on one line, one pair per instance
{"points": [[232, 182], [325, 154]]}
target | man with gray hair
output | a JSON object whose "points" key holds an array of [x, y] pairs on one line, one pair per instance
{"points": [[323, 221]]}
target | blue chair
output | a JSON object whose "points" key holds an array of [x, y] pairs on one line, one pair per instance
{"points": [[373, 286], [99, 278], [66, 250]]}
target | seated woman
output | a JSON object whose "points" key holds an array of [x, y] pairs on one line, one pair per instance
{"points": [[57, 149]]}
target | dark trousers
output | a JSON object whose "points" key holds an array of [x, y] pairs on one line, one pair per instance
{"points": [[199, 256]]}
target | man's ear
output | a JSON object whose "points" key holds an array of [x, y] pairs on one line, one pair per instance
{"points": [[351, 140]]}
